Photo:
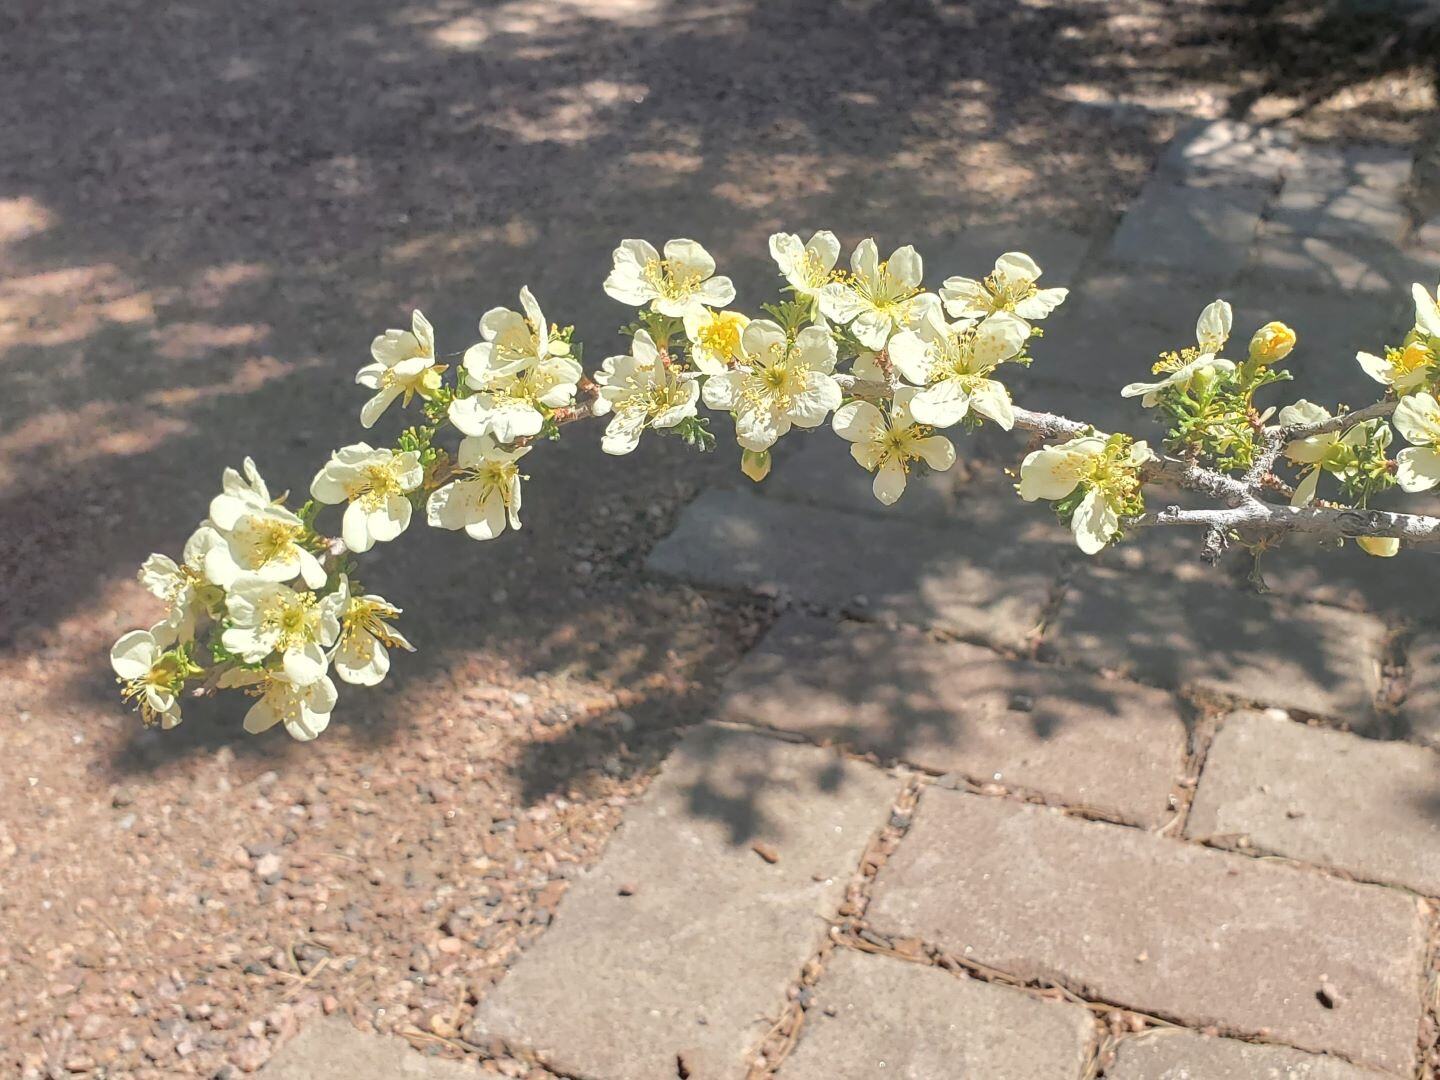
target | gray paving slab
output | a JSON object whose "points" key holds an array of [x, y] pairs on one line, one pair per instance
{"points": [[684, 938], [983, 582], [1203, 231], [1369, 808], [1205, 937], [1177, 1054], [874, 1016], [332, 1049], [1257, 649], [1108, 744]]}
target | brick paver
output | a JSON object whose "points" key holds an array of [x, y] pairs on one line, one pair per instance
{"points": [[1171, 632], [1126, 916], [984, 583], [1205, 231], [684, 938], [1176, 1054], [1369, 808], [877, 1017], [332, 1049], [1421, 712], [949, 707]]}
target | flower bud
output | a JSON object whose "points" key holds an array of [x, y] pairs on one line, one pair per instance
{"points": [[1383, 547], [1271, 343], [755, 465]]}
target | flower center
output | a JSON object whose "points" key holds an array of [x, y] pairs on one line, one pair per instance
{"points": [[1006, 294], [670, 280], [379, 483], [720, 337], [291, 619]]}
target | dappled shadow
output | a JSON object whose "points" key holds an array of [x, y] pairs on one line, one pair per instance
{"points": [[207, 210]]}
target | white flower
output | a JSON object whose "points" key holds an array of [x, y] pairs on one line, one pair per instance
{"points": [[886, 445], [1107, 469], [1009, 288], [805, 266], [513, 340], [518, 373], [303, 709], [1311, 450], [778, 383], [714, 338], [268, 617], [362, 654], [1212, 330], [404, 363], [152, 678], [684, 280], [1427, 309], [953, 362], [1403, 369], [642, 392], [1417, 417], [375, 483], [183, 586], [485, 496], [261, 537], [877, 298]]}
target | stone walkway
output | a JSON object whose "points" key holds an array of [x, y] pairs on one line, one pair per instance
{"points": [[978, 807]]}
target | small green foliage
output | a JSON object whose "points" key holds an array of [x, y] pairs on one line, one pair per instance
{"points": [[792, 315], [661, 328], [695, 431]]}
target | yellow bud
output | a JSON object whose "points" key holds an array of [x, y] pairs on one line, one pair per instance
{"points": [[1383, 547], [755, 465], [1271, 343]]}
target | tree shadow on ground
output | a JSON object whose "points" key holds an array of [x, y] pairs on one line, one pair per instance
{"points": [[207, 210]]}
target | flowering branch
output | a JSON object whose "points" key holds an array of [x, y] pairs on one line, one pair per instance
{"points": [[266, 600]]}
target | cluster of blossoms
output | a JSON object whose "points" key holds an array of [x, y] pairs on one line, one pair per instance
{"points": [[264, 601]]}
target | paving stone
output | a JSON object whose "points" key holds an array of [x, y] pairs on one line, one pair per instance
{"points": [[1355, 192], [1174, 633], [893, 1018], [1122, 915], [817, 467], [982, 582], [1369, 808], [1286, 260], [1420, 714], [1230, 152], [332, 1049], [947, 707], [1331, 327], [1177, 1054], [683, 939], [1404, 587], [1205, 231]]}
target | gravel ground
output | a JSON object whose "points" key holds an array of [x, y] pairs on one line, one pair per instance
{"points": [[208, 209]]}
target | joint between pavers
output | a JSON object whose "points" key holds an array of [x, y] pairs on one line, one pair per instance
{"points": [[1428, 1037], [780, 1040], [917, 951]]}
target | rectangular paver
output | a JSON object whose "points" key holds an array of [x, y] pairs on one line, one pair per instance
{"points": [[684, 939], [947, 707], [1369, 808], [1205, 937], [1203, 231], [1420, 714], [1173, 632], [874, 1016], [1177, 1054], [331, 1048], [978, 581], [1229, 152]]}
